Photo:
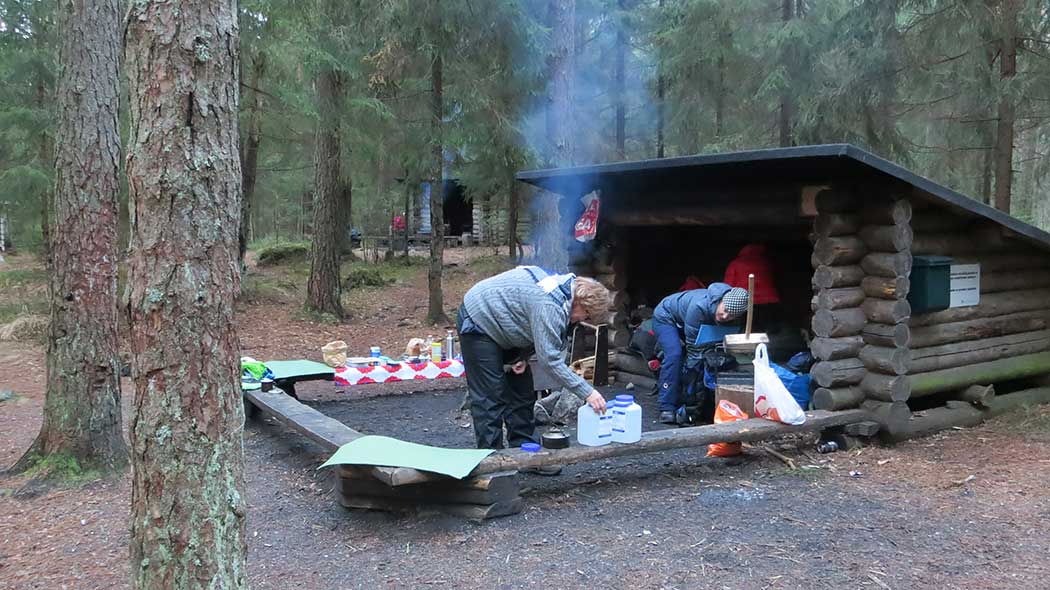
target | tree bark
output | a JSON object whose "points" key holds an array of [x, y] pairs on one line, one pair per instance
{"points": [[887, 335], [886, 287], [890, 361], [250, 156], [887, 388], [619, 86], [788, 62], [512, 213], [435, 299], [838, 323], [886, 311], [82, 414], [187, 498], [1004, 135], [842, 398], [847, 371], [839, 298], [45, 153], [839, 251], [323, 288]]}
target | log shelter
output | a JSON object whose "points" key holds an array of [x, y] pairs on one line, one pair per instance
{"points": [[844, 230]]}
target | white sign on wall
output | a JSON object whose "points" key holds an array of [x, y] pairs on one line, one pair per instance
{"points": [[965, 285]]}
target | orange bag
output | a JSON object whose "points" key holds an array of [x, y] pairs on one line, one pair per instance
{"points": [[726, 411]]}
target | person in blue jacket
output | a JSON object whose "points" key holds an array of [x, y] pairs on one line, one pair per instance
{"points": [[682, 315]]}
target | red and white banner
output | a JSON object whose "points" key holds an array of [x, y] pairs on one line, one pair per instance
{"points": [[346, 376], [587, 226]]}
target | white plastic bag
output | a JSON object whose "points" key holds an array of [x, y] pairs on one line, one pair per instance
{"points": [[772, 400]]}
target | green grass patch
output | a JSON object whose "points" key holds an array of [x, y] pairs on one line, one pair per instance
{"points": [[283, 253], [22, 277], [261, 289], [12, 311]]}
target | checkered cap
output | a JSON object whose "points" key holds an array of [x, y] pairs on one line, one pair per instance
{"points": [[735, 301]]}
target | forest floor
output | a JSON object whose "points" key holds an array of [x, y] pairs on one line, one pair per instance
{"points": [[963, 509]]}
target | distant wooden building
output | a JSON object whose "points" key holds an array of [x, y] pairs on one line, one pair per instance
{"points": [[917, 340]]}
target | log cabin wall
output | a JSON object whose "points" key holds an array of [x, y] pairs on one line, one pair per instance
{"points": [[1006, 336]]}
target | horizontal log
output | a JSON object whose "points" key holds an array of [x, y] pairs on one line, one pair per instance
{"points": [[886, 311], [836, 224], [629, 362], [886, 287], [883, 264], [1006, 262], [839, 322], [838, 298], [750, 214], [938, 220], [831, 277], [960, 354], [840, 398], [893, 336], [1005, 369], [837, 201], [329, 433], [892, 415], [887, 388], [980, 328], [980, 240], [866, 429], [469, 511], [833, 349], [895, 212], [887, 238], [997, 282], [491, 489], [889, 361], [839, 251], [749, 430], [937, 419], [646, 383], [991, 305], [978, 395], [837, 373]]}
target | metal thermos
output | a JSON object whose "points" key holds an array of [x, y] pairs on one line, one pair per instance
{"points": [[450, 343]]}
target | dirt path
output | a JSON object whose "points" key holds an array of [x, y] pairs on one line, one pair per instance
{"points": [[909, 516]]}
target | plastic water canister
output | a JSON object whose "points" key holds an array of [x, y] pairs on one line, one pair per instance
{"points": [[626, 420], [592, 429]]}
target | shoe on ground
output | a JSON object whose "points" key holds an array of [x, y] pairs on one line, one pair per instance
{"points": [[549, 470], [667, 418]]}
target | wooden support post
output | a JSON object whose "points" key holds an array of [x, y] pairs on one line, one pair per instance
{"points": [[833, 349], [847, 371], [882, 264], [886, 287], [839, 398], [830, 277], [839, 322]]}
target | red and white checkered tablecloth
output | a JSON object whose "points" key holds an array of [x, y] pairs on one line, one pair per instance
{"points": [[345, 376]]}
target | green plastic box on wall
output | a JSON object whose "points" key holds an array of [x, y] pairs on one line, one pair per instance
{"points": [[930, 284]]}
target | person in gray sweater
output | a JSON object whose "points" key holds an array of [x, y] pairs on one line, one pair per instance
{"points": [[502, 321]]}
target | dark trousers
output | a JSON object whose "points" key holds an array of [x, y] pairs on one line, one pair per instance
{"points": [[497, 397], [670, 383]]}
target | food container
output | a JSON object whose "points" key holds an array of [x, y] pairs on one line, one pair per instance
{"points": [[555, 439]]}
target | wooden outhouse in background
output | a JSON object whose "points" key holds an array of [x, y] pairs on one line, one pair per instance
{"points": [[859, 247]]}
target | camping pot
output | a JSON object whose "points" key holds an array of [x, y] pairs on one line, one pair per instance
{"points": [[266, 384], [555, 439]]}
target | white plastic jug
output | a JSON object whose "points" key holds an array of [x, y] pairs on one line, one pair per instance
{"points": [[627, 420], [592, 429]]}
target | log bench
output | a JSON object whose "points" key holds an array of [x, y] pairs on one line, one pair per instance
{"points": [[400, 488]]}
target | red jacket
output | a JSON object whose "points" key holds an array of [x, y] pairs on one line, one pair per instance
{"points": [[752, 259]]}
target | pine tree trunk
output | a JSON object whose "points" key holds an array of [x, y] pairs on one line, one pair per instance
{"points": [[250, 156], [547, 222], [786, 107], [45, 153], [1004, 137], [322, 288], [187, 498], [436, 300], [512, 213], [82, 417], [619, 87], [661, 90]]}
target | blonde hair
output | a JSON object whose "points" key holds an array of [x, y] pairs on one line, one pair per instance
{"points": [[593, 298]]}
